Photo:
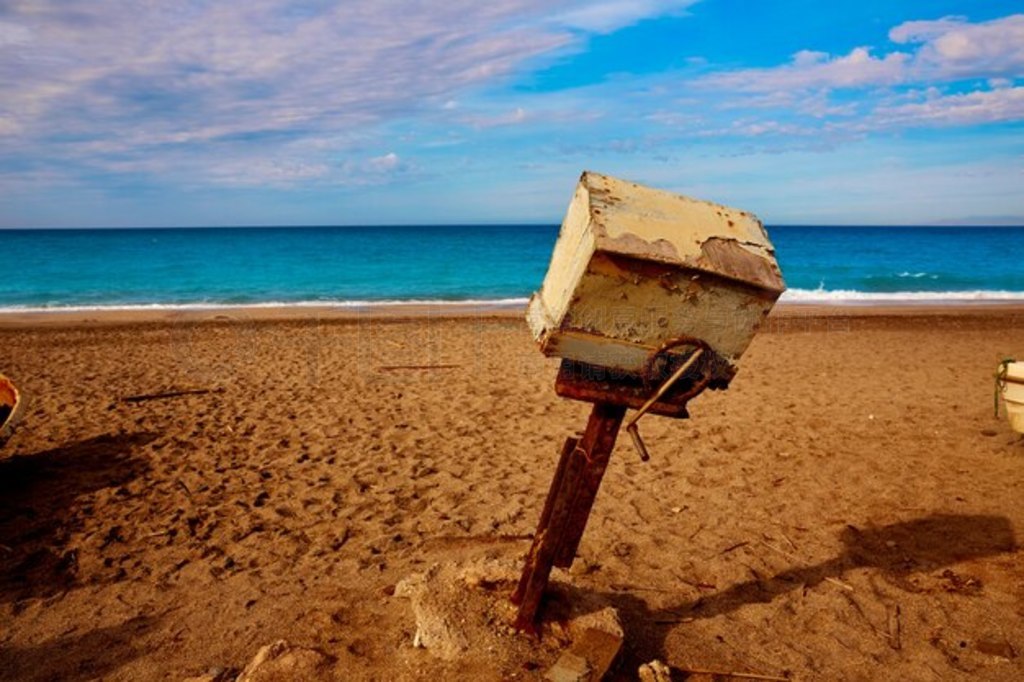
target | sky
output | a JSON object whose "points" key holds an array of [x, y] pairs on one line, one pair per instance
{"points": [[270, 112]]}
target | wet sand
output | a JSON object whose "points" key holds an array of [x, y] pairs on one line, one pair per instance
{"points": [[848, 509]]}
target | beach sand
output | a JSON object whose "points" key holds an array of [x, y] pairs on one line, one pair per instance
{"points": [[848, 510]]}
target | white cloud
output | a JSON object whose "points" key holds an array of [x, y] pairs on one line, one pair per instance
{"points": [[385, 163], [816, 70], [954, 48], [932, 83], [950, 49], [335, 93], [921, 31], [257, 172], [972, 108], [99, 78], [611, 15], [376, 170], [761, 128], [508, 118], [8, 126], [675, 118], [13, 34]]}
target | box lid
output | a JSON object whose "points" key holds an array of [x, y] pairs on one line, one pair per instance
{"points": [[651, 224]]}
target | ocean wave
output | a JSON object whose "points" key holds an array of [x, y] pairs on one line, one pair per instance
{"points": [[129, 307], [850, 296], [791, 296]]}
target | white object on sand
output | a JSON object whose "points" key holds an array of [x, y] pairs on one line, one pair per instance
{"points": [[1012, 389]]}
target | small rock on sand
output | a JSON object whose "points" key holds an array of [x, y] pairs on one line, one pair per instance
{"points": [[570, 667], [213, 675], [445, 619], [655, 671], [281, 662]]}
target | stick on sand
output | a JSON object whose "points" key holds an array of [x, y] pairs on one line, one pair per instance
{"points": [[168, 394], [727, 673]]}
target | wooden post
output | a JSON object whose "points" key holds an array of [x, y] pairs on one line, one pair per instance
{"points": [[581, 467]]}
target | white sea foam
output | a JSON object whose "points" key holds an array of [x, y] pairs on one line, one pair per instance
{"points": [[466, 303], [851, 297], [791, 296]]}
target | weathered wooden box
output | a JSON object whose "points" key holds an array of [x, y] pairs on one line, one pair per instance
{"points": [[636, 267]]}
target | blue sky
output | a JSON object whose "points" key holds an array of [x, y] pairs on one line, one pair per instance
{"points": [[270, 112]]}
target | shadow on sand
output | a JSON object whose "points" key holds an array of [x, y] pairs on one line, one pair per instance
{"points": [[897, 550], [71, 658], [37, 495]]}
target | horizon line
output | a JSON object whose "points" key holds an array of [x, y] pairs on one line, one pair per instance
{"points": [[71, 228]]}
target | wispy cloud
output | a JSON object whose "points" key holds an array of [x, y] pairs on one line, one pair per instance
{"points": [[515, 116], [605, 17], [955, 48], [811, 70], [104, 79], [949, 49], [949, 72], [308, 98], [971, 108]]}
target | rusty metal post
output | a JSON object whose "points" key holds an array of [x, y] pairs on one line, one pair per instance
{"points": [[596, 446], [580, 469]]}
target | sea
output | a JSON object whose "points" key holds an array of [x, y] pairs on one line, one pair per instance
{"points": [[85, 269]]}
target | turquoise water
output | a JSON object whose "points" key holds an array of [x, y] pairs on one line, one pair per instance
{"points": [[352, 265], [898, 263]]}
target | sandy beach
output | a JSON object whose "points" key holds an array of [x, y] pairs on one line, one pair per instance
{"points": [[848, 510]]}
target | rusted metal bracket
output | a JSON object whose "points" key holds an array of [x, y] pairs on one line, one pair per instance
{"points": [[581, 467], [632, 428]]}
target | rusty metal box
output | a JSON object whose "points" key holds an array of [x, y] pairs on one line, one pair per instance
{"points": [[635, 267]]}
